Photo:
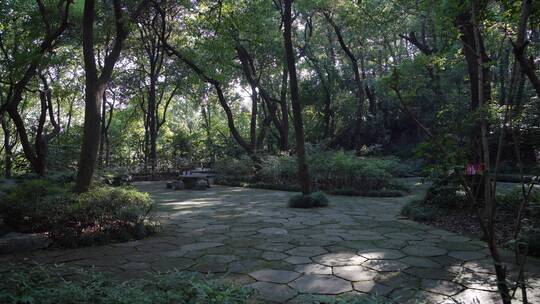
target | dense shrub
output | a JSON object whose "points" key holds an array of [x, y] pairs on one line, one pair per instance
{"points": [[369, 193], [530, 232], [33, 205], [98, 216], [329, 170], [315, 199], [52, 285], [417, 210], [234, 167], [445, 193]]}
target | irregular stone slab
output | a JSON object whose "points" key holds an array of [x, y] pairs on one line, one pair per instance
{"points": [[480, 266], [479, 281], [355, 273], [15, 242], [273, 256], [278, 231], [419, 262], [455, 238], [459, 246], [199, 246], [321, 284], [431, 273], [381, 254], [307, 251], [139, 266], [398, 280], [298, 260], [467, 255], [274, 276], [385, 265], [424, 251], [372, 287], [340, 259], [403, 236], [313, 269], [364, 236], [477, 296], [213, 263], [273, 292], [443, 287], [171, 264], [280, 247]]}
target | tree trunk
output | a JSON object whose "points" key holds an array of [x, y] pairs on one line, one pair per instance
{"points": [[284, 133], [303, 169], [357, 80], [95, 86], [480, 87], [152, 124], [8, 148], [103, 131], [253, 122]]}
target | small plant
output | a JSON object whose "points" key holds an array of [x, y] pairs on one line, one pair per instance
{"points": [[418, 211], [315, 199], [319, 199]]}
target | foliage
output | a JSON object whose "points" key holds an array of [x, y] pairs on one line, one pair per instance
{"points": [[44, 285], [313, 200], [100, 215], [418, 211], [330, 170]]}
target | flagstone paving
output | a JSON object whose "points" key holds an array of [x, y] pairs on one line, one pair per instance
{"points": [[354, 247]]}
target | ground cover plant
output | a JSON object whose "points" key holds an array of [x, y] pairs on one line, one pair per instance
{"points": [[101, 215], [41, 284]]}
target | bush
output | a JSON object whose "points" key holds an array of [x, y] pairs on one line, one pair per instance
{"points": [[372, 193], [98, 216], [444, 193], [514, 198], [104, 214], [329, 170], [52, 285], [33, 205], [315, 199], [418, 211]]}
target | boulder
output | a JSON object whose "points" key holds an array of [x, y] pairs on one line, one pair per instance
{"points": [[15, 242]]}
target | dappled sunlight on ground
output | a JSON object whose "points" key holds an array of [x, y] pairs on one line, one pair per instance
{"points": [[356, 247]]}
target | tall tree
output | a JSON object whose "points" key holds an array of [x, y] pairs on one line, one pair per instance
{"points": [[303, 169], [95, 85], [19, 74]]}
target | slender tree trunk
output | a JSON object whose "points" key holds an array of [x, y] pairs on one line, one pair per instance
{"points": [[152, 123], [253, 122], [103, 130], [284, 133], [303, 169], [357, 80], [527, 64], [8, 153], [470, 44], [488, 193]]}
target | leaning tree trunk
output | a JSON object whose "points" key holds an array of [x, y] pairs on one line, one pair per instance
{"points": [[303, 169]]}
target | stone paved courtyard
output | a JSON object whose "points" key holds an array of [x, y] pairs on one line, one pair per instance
{"points": [[357, 246]]}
